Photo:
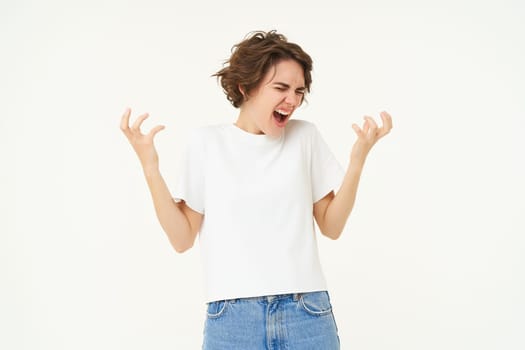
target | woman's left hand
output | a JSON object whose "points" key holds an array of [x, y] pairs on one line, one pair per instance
{"points": [[369, 135]]}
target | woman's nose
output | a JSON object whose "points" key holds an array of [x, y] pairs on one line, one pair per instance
{"points": [[293, 99]]}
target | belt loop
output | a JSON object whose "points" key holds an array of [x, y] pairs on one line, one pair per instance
{"points": [[296, 296]]}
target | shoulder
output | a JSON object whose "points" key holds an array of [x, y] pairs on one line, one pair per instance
{"points": [[207, 129], [303, 128], [197, 140], [300, 124], [206, 133]]}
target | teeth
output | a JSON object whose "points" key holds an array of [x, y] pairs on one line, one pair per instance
{"points": [[280, 111]]}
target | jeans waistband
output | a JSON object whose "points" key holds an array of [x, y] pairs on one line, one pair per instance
{"points": [[270, 298]]}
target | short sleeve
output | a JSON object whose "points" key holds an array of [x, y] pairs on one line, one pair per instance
{"points": [[327, 173], [189, 185]]}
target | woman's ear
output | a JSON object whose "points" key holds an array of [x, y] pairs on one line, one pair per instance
{"points": [[241, 90]]}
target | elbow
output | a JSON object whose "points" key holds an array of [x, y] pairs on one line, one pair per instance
{"points": [[180, 241], [331, 232], [181, 248], [180, 245], [180, 251], [332, 235]]}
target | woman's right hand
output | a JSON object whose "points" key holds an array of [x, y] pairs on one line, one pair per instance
{"points": [[142, 144]]}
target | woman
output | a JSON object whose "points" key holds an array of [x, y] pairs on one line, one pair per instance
{"points": [[251, 190]]}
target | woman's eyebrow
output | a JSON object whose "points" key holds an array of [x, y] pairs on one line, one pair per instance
{"points": [[288, 86]]}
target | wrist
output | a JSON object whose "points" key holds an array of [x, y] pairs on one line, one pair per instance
{"points": [[151, 170], [357, 163]]}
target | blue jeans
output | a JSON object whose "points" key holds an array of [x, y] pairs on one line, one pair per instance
{"points": [[299, 321]]}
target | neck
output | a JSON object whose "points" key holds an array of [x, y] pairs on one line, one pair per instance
{"points": [[246, 122]]}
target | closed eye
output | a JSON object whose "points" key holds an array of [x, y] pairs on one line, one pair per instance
{"points": [[283, 87], [298, 92]]}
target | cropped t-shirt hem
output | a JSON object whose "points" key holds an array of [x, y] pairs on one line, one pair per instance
{"points": [[256, 295]]}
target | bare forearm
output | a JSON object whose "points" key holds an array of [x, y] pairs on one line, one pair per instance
{"points": [[171, 218], [341, 206]]}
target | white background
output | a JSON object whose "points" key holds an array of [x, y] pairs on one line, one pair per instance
{"points": [[432, 255]]}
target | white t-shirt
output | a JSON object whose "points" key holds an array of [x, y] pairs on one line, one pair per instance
{"points": [[257, 194]]}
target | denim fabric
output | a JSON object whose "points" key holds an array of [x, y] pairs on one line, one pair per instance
{"points": [[299, 321]]}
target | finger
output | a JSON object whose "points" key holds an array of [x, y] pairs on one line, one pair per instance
{"points": [[387, 124], [124, 121], [357, 130], [138, 122], [373, 124], [155, 130], [366, 126], [387, 120]]}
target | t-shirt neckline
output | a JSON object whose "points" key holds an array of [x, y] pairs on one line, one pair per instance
{"points": [[260, 139]]}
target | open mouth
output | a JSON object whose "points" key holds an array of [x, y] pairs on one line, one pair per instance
{"points": [[280, 115]]}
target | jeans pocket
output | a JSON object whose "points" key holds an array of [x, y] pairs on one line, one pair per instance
{"points": [[215, 309], [316, 303]]}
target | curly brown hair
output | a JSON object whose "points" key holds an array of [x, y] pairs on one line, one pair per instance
{"points": [[253, 57]]}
